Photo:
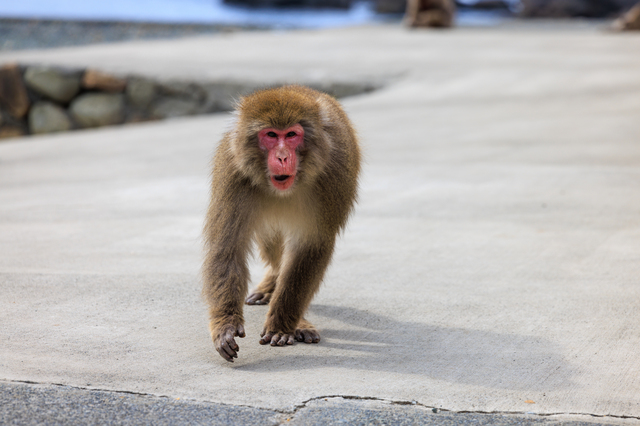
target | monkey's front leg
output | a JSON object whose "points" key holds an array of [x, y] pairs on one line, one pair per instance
{"points": [[225, 272], [226, 276], [297, 283], [225, 286]]}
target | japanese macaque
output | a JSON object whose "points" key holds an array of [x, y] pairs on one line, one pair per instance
{"points": [[286, 177], [628, 21], [430, 13]]}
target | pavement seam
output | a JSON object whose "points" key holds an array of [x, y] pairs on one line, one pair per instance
{"points": [[303, 404], [29, 382]]}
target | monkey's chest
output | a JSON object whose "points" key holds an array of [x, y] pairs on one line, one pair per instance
{"points": [[287, 219]]}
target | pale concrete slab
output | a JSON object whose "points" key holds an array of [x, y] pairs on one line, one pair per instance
{"points": [[492, 263]]}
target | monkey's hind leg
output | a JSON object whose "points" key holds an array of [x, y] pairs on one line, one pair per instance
{"points": [[306, 332], [261, 295], [271, 253], [299, 279]]}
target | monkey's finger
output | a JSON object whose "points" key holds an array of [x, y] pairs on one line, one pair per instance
{"points": [[254, 298], [223, 352], [224, 355], [301, 335], [290, 339], [240, 331], [229, 341], [230, 349], [266, 338], [278, 340], [309, 336], [284, 340]]}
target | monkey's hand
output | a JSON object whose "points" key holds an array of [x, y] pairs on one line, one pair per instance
{"points": [[276, 338], [224, 342]]}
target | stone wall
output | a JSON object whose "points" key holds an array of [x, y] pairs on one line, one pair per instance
{"points": [[37, 99]]}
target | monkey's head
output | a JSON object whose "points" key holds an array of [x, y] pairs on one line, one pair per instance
{"points": [[280, 143]]}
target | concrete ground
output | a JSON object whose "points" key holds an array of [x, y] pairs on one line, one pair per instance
{"points": [[492, 265]]}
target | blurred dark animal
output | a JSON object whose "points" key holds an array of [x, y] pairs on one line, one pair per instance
{"points": [[430, 13], [629, 21]]}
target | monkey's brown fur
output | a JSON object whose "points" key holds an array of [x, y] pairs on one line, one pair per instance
{"points": [[430, 13], [295, 230]]}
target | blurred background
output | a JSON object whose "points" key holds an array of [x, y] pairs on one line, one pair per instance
{"points": [[44, 23]]}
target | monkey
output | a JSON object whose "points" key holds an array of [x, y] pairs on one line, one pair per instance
{"points": [[430, 13], [285, 177], [628, 21]]}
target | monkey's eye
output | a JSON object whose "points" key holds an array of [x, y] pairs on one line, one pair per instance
{"points": [[291, 134], [272, 135]]}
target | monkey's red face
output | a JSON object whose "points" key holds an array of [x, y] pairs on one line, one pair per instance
{"points": [[282, 160]]}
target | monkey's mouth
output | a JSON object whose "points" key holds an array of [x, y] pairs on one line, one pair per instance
{"points": [[282, 182]]}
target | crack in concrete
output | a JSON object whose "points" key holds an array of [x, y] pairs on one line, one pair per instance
{"points": [[436, 410], [149, 395], [297, 407]]}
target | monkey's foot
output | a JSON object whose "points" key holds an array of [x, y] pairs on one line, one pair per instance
{"points": [[275, 338], [258, 298], [224, 342], [307, 335], [306, 332]]}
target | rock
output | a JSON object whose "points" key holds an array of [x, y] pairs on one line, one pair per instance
{"points": [[137, 117], [13, 93], [93, 79], [390, 6], [11, 132], [174, 107], [223, 95], [53, 83], [628, 21], [141, 92], [98, 109], [341, 90], [179, 89], [47, 117]]}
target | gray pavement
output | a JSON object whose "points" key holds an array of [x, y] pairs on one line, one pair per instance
{"points": [[34, 404], [491, 267]]}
